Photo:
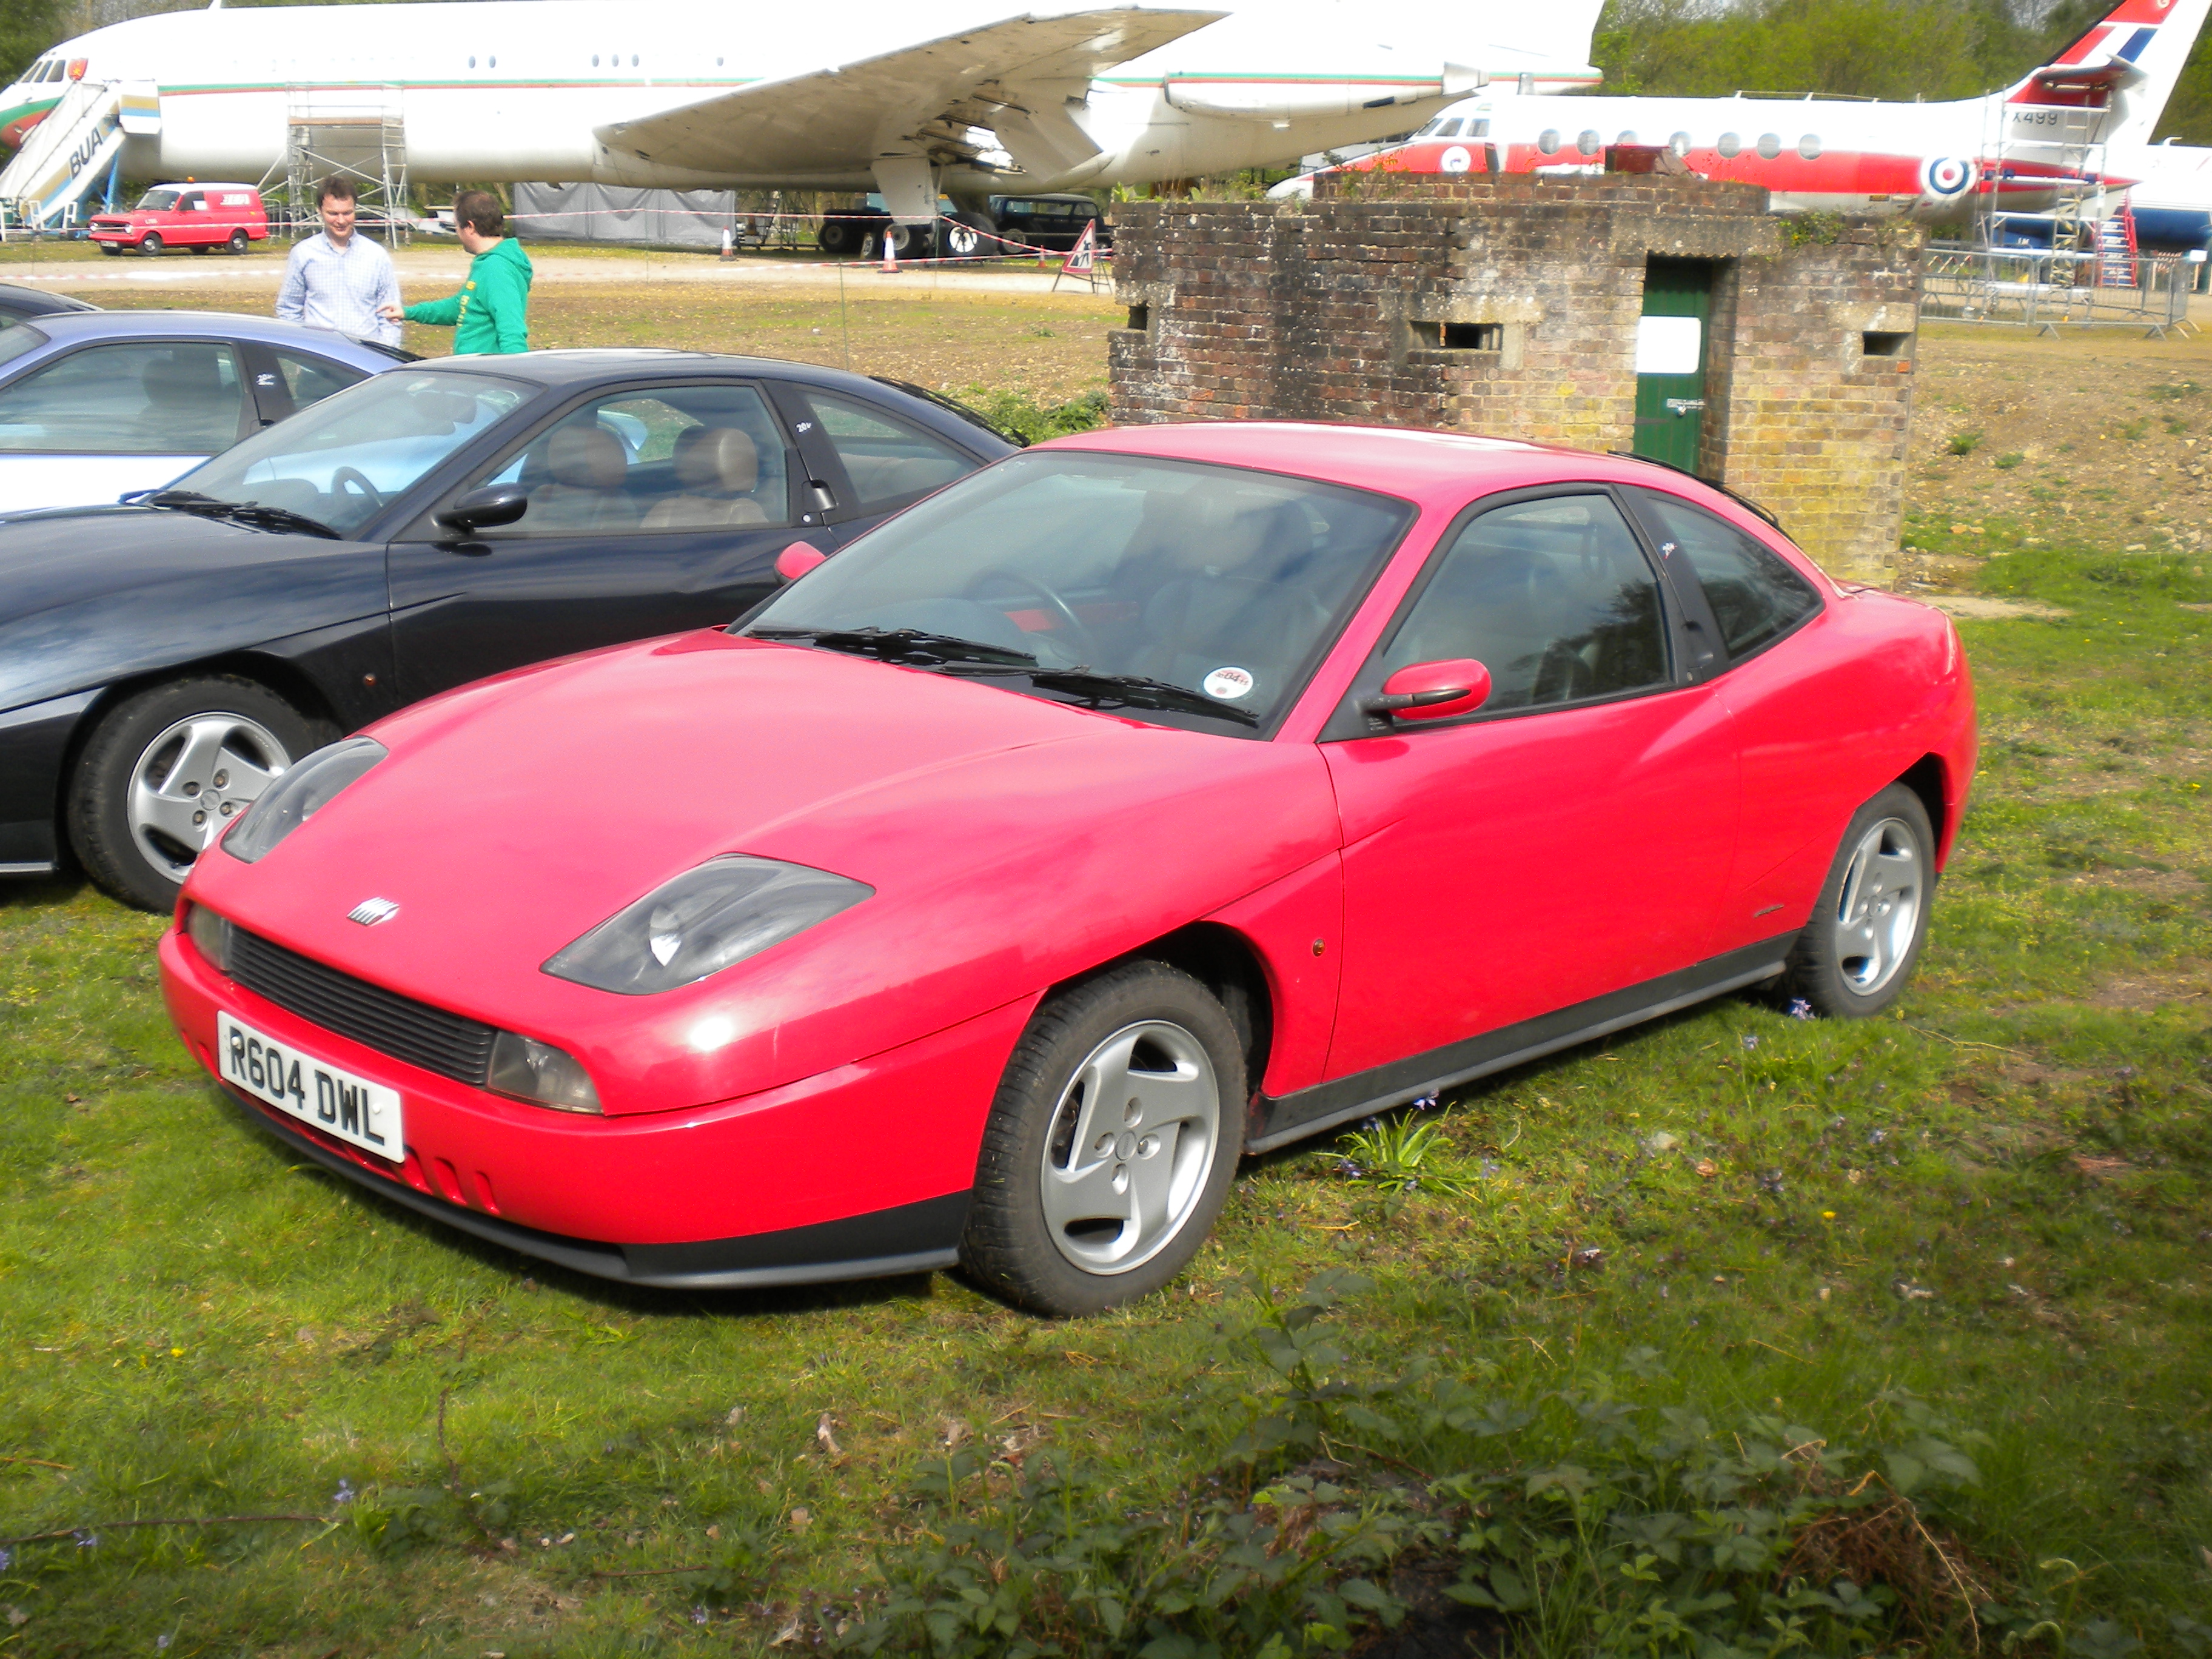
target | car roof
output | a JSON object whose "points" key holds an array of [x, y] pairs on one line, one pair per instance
{"points": [[26, 300], [67, 328], [1439, 469], [587, 365]]}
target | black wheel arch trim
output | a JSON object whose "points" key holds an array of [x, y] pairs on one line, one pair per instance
{"points": [[1304, 1112], [906, 1238]]}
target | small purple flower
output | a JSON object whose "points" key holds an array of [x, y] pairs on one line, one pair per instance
{"points": [[699, 1615], [1800, 1009], [344, 1494], [161, 1643], [7, 1559], [87, 1540], [1749, 1040], [1427, 1101]]}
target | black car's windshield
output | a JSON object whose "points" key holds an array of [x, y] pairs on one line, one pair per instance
{"points": [[341, 461], [1174, 592]]}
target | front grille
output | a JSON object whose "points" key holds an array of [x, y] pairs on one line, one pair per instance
{"points": [[432, 1038]]}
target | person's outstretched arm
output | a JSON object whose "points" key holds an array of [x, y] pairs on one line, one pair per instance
{"points": [[444, 314]]}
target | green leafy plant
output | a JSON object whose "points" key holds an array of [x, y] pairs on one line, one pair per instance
{"points": [[1964, 443], [1396, 1153], [1020, 413], [2006, 463]]}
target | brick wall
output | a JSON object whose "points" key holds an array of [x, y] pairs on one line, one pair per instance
{"points": [[1509, 306]]}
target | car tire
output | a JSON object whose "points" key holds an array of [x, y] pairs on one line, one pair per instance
{"points": [[135, 789], [835, 237], [151, 244], [967, 237], [1855, 955], [1059, 1225], [238, 241]]}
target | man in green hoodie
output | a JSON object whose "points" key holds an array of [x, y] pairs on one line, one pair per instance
{"points": [[490, 312]]}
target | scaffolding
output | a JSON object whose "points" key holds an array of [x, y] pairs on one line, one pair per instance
{"points": [[359, 132]]}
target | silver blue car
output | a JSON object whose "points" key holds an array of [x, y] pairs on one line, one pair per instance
{"points": [[96, 404]]}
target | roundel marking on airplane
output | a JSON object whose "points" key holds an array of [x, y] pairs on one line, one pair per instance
{"points": [[1944, 176], [1455, 160]]}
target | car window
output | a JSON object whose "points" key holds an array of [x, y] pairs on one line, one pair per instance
{"points": [[343, 460], [1222, 583], [311, 380], [17, 337], [675, 457], [147, 398], [887, 461], [1554, 597], [1756, 598]]}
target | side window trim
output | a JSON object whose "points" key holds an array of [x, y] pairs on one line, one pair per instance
{"points": [[1692, 590], [849, 505], [424, 526], [271, 396], [1349, 722], [819, 456]]}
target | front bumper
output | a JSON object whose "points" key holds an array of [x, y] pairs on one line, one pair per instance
{"points": [[861, 1171]]}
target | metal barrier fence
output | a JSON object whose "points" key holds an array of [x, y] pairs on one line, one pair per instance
{"points": [[2033, 287]]}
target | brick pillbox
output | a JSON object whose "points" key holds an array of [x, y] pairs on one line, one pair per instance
{"points": [[1509, 306]]}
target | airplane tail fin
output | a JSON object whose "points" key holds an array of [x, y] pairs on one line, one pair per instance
{"points": [[2128, 61], [1551, 45]]}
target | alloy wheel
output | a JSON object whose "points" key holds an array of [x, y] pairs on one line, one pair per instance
{"points": [[1134, 1138], [193, 779], [1878, 910]]}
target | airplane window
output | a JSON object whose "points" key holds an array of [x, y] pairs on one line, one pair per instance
{"points": [[1449, 129], [1810, 147], [473, 62], [1587, 142], [632, 60], [1680, 143], [1729, 145], [1478, 129], [1627, 136], [1431, 127], [491, 62], [1770, 145], [1548, 140], [595, 60]]}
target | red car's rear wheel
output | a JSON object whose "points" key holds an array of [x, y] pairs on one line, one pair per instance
{"points": [[1856, 954], [1112, 1143]]}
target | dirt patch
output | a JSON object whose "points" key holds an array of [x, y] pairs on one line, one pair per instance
{"points": [[1967, 605], [2146, 992]]}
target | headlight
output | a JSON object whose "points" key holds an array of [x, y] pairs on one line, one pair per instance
{"points": [[724, 911], [210, 936], [534, 1071], [299, 795]]}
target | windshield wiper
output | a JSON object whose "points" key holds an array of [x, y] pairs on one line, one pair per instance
{"points": [[1131, 691], [913, 646], [249, 514]]}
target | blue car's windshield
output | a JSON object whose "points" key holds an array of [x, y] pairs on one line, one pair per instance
{"points": [[341, 461]]}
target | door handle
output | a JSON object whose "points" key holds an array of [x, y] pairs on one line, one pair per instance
{"points": [[825, 499]]}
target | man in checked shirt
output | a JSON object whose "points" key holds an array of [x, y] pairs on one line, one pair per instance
{"points": [[339, 280]]}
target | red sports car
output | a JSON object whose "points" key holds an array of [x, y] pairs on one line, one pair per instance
{"points": [[1149, 798]]}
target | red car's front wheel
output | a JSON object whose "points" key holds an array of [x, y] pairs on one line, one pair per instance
{"points": [[1111, 1144]]}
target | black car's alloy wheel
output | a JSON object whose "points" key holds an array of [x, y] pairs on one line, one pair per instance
{"points": [[1859, 949], [1111, 1143], [169, 771]]}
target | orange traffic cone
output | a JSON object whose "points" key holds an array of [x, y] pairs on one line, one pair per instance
{"points": [[890, 251]]}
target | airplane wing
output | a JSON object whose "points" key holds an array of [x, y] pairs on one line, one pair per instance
{"points": [[851, 113]]}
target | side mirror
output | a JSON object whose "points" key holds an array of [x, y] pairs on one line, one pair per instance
{"points": [[485, 508], [797, 560], [1432, 691]]}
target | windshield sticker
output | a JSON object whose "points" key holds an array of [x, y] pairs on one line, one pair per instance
{"points": [[1228, 683]]}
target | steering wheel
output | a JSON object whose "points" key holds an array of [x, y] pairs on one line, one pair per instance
{"points": [[1078, 634], [348, 477]]}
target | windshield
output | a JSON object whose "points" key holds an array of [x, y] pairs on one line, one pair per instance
{"points": [[343, 460], [155, 201], [1216, 587]]}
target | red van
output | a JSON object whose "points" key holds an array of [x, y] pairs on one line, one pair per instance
{"points": [[198, 217]]}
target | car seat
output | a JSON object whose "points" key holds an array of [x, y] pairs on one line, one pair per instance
{"points": [[1243, 600], [719, 467], [588, 468], [189, 410]]}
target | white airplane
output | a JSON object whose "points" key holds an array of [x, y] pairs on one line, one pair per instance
{"points": [[2171, 201], [848, 95], [2058, 130]]}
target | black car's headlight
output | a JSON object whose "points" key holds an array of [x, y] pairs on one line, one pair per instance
{"points": [[724, 911], [302, 791]]}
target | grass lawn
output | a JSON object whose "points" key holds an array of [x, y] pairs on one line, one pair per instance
{"points": [[1741, 1329]]}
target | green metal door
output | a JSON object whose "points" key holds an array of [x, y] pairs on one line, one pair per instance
{"points": [[1670, 360]]}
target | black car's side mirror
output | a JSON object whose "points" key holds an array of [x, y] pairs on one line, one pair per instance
{"points": [[485, 509]]}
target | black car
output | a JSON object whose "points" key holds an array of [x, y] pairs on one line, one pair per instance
{"points": [[1053, 222], [17, 302], [161, 661]]}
